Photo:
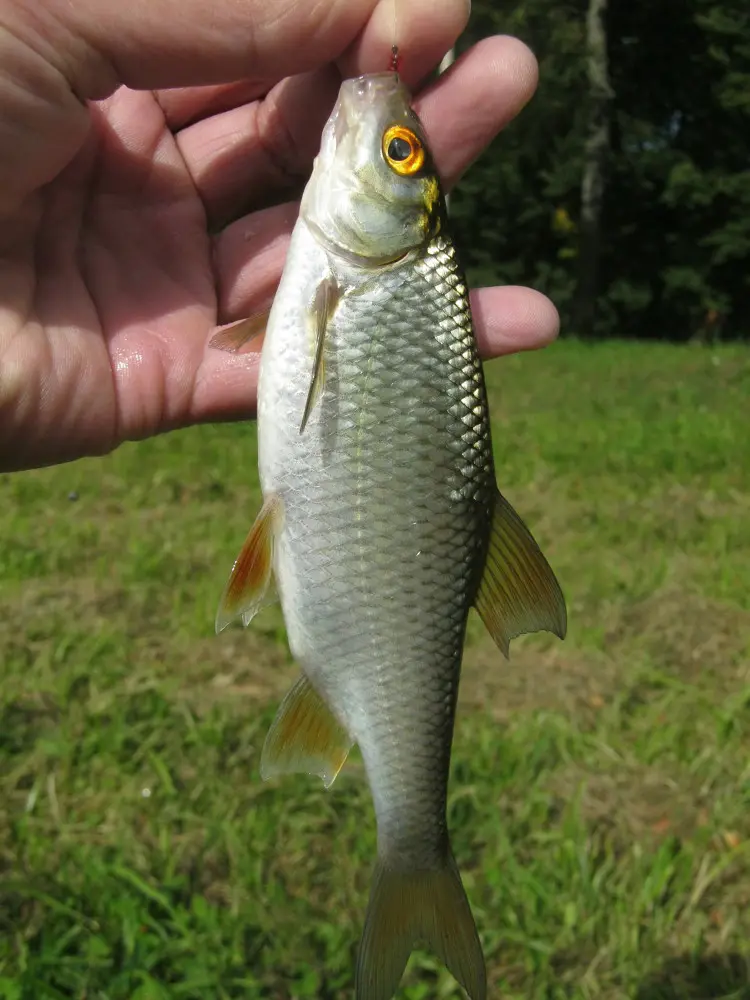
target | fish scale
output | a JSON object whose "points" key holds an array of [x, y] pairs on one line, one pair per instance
{"points": [[372, 621]]}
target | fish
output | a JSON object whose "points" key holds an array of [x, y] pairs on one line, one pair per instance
{"points": [[381, 524]]}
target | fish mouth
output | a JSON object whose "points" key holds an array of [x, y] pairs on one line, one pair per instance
{"points": [[370, 86], [360, 93]]}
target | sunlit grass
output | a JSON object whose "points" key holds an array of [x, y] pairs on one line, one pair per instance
{"points": [[600, 788]]}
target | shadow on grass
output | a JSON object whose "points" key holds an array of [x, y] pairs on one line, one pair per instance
{"points": [[719, 977]]}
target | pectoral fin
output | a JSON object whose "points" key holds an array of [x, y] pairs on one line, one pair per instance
{"points": [[249, 331], [305, 737], [251, 574], [327, 297], [519, 592]]}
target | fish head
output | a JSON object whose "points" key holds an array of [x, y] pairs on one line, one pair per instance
{"points": [[374, 194]]}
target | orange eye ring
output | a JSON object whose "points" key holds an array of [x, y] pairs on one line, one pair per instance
{"points": [[403, 151]]}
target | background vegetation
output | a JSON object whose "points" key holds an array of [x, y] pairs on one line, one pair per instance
{"points": [[674, 242], [600, 786]]}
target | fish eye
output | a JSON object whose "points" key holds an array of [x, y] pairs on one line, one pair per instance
{"points": [[403, 151]]}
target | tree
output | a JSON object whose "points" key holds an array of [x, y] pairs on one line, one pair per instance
{"points": [[675, 262], [596, 155]]}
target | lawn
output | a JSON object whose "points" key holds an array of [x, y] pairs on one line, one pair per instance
{"points": [[600, 790]]}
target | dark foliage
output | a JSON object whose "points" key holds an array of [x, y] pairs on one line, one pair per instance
{"points": [[675, 257]]}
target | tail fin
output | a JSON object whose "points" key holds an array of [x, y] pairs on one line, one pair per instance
{"points": [[407, 908]]}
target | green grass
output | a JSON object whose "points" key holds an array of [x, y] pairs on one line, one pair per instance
{"points": [[600, 789]]}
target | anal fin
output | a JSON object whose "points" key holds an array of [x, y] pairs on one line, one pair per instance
{"points": [[305, 737], [248, 582], [519, 592]]}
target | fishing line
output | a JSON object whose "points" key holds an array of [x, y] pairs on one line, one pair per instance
{"points": [[395, 57]]}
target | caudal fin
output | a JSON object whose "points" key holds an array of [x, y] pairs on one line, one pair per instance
{"points": [[407, 908]]}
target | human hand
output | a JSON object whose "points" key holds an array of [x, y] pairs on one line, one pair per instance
{"points": [[132, 226]]}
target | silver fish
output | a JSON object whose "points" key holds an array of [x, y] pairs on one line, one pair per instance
{"points": [[382, 523]]}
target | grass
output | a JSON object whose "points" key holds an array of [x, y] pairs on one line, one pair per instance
{"points": [[600, 787]]}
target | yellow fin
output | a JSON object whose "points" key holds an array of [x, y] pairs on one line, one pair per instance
{"points": [[305, 737], [327, 297], [407, 908], [234, 336], [519, 592], [251, 574]]}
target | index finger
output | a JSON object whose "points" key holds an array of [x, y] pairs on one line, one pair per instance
{"points": [[153, 44]]}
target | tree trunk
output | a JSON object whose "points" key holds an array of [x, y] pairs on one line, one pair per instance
{"points": [[594, 167]]}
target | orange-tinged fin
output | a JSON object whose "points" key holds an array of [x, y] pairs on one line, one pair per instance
{"points": [[327, 297], [407, 908], [234, 336], [519, 592], [248, 582], [305, 737]]}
